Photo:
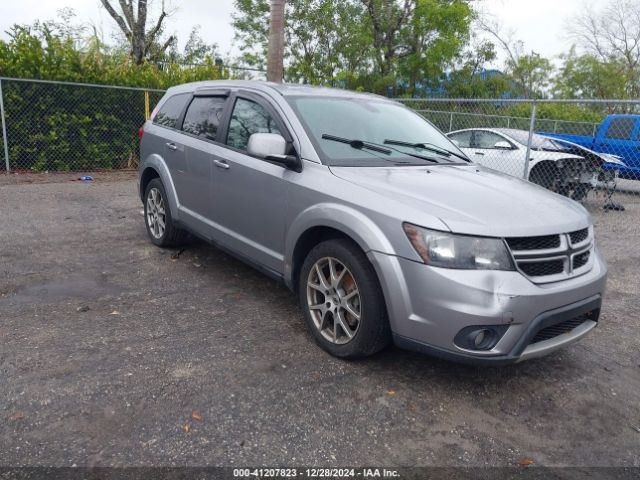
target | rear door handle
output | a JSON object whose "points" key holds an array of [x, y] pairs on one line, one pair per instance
{"points": [[172, 146], [221, 164], [480, 153]]}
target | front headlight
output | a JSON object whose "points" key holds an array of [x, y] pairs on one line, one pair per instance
{"points": [[447, 250]]}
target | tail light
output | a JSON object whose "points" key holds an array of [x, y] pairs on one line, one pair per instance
{"points": [[141, 133]]}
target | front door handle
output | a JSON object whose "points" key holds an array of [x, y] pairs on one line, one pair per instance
{"points": [[480, 153], [172, 146], [221, 164]]}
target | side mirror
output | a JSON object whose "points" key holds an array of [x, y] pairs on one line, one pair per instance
{"points": [[503, 145], [273, 148]]}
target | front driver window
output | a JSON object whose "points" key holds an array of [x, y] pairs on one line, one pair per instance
{"points": [[484, 139], [248, 118], [462, 139]]}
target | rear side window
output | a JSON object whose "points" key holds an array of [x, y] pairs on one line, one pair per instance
{"points": [[248, 118], [171, 110], [203, 116], [621, 128]]}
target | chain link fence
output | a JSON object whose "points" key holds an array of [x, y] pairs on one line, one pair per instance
{"points": [[586, 150], [60, 126]]}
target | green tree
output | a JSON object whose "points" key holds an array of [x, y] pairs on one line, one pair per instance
{"points": [[530, 72], [469, 77], [433, 34], [132, 19], [59, 127], [610, 33], [586, 76], [370, 44]]}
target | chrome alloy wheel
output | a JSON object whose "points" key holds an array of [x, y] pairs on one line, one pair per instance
{"points": [[156, 214], [334, 300]]}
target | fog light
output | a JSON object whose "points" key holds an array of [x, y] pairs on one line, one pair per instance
{"points": [[480, 337], [484, 339]]}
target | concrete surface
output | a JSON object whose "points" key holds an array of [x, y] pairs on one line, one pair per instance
{"points": [[196, 359]]}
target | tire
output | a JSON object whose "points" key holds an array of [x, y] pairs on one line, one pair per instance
{"points": [[156, 212], [330, 307]]}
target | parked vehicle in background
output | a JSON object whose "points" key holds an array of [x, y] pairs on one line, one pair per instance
{"points": [[382, 226], [617, 135], [570, 170]]}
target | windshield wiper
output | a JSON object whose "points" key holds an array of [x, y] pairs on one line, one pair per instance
{"points": [[361, 144], [357, 144], [430, 147]]}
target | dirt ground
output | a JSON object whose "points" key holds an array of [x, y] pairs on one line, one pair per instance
{"points": [[117, 353]]}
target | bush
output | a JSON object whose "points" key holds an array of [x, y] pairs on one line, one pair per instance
{"points": [[69, 127]]}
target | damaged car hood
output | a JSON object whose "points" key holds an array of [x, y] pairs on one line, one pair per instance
{"points": [[470, 199]]}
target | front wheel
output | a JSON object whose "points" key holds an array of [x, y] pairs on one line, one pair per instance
{"points": [[342, 300]]}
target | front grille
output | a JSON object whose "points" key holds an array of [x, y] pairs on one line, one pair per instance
{"points": [[534, 243], [563, 327], [551, 258], [542, 269], [579, 236], [581, 260]]}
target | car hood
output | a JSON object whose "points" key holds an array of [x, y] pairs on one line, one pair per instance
{"points": [[469, 199], [606, 157]]}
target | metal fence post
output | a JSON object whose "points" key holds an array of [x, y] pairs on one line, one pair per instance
{"points": [[532, 126], [4, 130], [146, 105], [451, 122]]}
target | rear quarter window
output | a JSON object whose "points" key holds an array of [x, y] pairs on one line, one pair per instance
{"points": [[171, 110]]}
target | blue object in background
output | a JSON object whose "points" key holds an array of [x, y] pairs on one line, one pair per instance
{"points": [[617, 135], [87, 178]]}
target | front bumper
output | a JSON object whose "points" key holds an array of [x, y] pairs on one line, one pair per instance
{"points": [[428, 306]]}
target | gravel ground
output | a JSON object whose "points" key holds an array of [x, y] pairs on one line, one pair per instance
{"points": [[117, 353]]}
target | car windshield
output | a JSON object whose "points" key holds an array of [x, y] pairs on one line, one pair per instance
{"points": [[538, 142], [372, 121]]}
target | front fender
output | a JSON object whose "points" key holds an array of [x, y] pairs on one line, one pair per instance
{"points": [[346, 219], [157, 163]]}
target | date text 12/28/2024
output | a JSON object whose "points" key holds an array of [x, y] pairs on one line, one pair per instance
{"points": [[315, 473]]}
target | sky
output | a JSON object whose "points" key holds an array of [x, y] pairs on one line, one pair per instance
{"points": [[540, 24]]}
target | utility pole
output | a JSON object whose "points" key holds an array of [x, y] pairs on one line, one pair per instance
{"points": [[275, 60]]}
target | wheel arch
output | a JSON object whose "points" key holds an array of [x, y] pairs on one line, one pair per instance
{"points": [[324, 222], [146, 176], [542, 166], [155, 167]]}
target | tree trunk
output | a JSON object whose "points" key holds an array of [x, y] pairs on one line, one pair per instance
{"points": [[134, 29], [275, 61]]}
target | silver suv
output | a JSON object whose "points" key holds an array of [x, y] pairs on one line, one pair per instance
{"points": [[379, 223]]}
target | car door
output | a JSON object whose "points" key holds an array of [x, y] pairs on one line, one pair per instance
{"points": [[486, 151], [169, 142], [250, 199], [200, 133]]}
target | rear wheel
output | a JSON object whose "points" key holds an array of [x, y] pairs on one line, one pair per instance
{"points": [[342, 300], [157, 215]]}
